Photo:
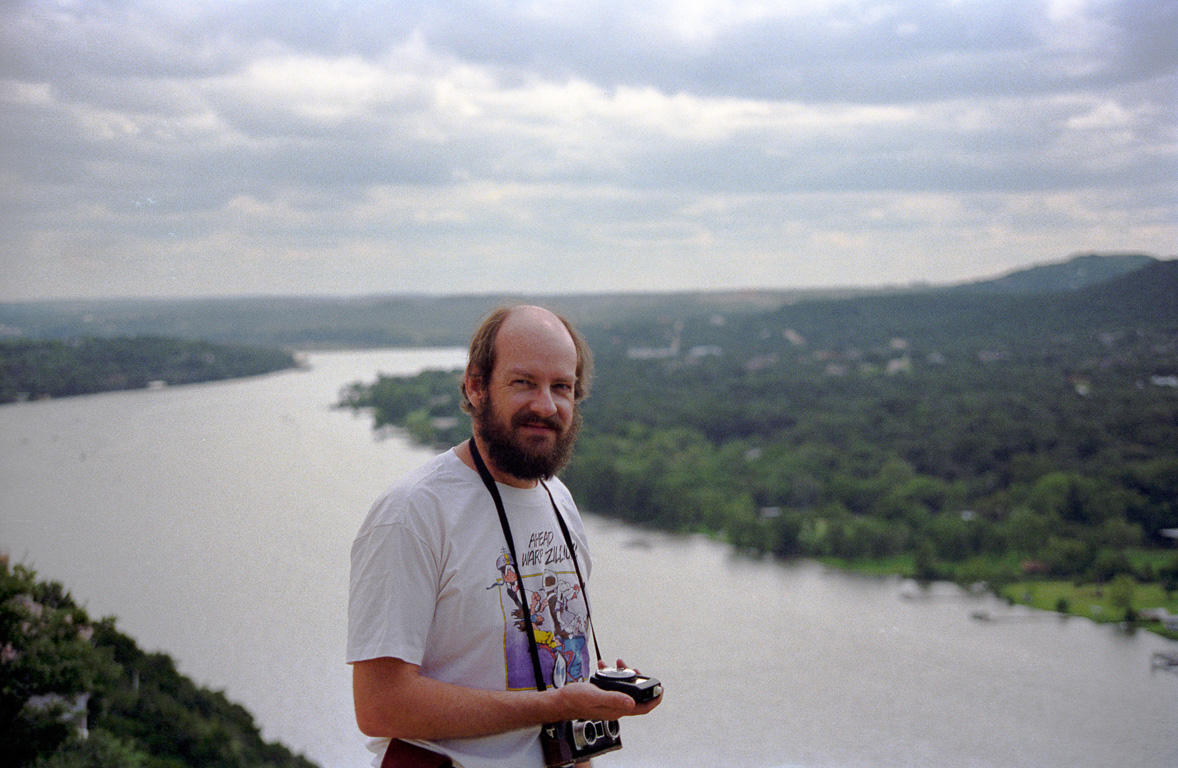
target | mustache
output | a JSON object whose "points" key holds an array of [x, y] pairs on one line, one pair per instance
{"points": [[531, 420]]}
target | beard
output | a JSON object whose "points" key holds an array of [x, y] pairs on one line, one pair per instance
{"points": [[517, 456]]}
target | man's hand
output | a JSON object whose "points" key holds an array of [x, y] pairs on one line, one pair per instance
{"points": [[393, 699], [586, 701]]}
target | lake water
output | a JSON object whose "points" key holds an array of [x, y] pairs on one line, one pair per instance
{"points": [[215, 521]]}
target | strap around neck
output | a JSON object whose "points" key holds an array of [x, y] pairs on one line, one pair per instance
{"points": [[489, 481]]}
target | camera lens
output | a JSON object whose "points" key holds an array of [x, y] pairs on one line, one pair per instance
{"points": [[612, 729], [587, 732]]}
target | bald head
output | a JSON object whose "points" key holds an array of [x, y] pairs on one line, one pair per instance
{"points": [[535, 320], [524, 325]]}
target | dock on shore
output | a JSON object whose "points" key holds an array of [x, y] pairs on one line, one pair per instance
{"points": [[1165, 660]]}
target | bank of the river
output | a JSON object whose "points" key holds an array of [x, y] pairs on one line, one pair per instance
{"points": [[1121, 601], [36, 369]]}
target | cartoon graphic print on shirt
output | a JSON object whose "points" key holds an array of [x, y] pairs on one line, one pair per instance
{"points": [[557, 609]]}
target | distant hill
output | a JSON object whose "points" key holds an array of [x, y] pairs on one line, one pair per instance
{"points": [[363, 321], [1075, 273], [953, 318], [1148, 293], [422, 320]]}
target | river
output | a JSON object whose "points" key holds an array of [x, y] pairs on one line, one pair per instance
{"points": [[215, 522]]}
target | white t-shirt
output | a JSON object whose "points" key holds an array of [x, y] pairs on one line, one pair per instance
{"points": [[431, 584]]}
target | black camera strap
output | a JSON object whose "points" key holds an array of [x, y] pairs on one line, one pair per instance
{"points": [[489, 481]]}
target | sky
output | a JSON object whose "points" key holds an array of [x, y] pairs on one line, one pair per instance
{"points": [[287, 147]]}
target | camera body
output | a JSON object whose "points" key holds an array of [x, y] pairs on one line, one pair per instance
{"points": [[638, 687], [572, 741]]}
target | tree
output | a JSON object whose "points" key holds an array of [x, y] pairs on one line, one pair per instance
{"points": [[1109, 565], [46, 650], [100, 749], [52, 658], [1067, 557], [1026, 530], [1121, 592]]}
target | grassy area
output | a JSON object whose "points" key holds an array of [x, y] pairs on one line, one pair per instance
{"points": [[1152, 559], [1099, 602]]}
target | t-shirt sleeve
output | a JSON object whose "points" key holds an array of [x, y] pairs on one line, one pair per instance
{"points": [[393, 591]]}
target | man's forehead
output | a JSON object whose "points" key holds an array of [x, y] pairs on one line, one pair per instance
{"points": [[535, 368], [535, 339], [529, 363]]}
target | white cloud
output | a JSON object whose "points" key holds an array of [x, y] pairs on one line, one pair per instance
{"points": [[1108, 114], [456, 146]]}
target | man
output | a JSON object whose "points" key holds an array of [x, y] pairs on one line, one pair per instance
{"points": [[438, 622]]}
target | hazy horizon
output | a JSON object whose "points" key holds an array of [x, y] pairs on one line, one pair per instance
{"points": [[833, 289]]}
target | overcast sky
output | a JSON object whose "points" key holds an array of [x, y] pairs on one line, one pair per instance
{"points": [[155, 148]]}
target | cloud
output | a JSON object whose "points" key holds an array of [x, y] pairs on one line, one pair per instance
{"points": [[254, 146]]}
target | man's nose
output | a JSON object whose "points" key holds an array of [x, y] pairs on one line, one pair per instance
{"points": [[543, 403]]}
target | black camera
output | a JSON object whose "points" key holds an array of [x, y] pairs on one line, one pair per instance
{"points": [[572, 741], [638, 687]]}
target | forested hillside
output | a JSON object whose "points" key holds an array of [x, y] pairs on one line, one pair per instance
{"points": [[974, 437], [1076, 273], [32, 369], [77, 693]]}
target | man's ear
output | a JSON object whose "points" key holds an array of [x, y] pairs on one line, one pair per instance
{"points": [[475, 389]]}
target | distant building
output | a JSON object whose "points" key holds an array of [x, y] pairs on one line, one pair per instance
{"points": [[899, 365], [710, 350], [651, 353], [761, 362], [658, 353]]}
